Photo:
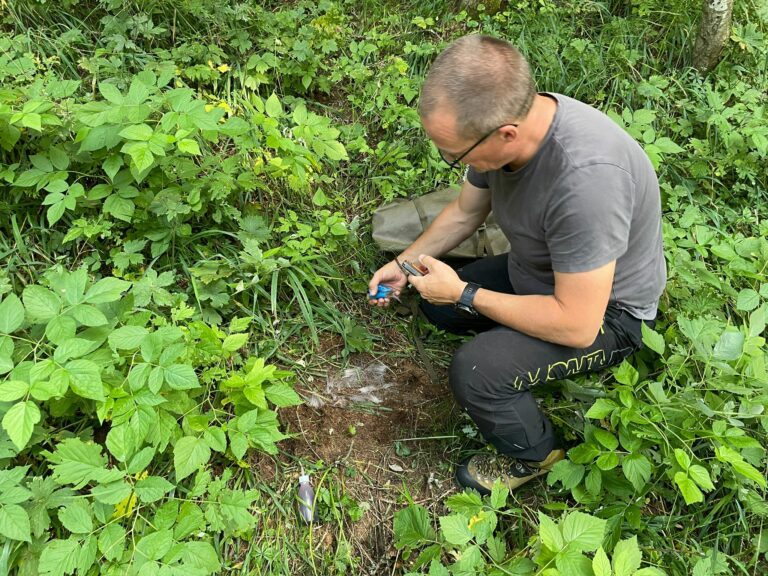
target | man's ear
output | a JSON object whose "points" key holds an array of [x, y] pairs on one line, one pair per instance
{"points": [[508, 133]]}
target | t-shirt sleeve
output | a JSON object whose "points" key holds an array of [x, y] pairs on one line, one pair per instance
{"points": [[477, 179], [587, 224]]}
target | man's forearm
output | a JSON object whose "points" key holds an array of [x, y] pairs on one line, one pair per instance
{"points": [[542, 317]]}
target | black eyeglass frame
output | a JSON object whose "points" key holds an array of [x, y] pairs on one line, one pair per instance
{"points": [[455, 162]]}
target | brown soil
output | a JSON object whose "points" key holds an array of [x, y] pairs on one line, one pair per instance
{"points": [[389, 445]]}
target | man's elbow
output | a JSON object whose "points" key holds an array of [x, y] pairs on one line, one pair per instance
{"points": [[583, 338]]}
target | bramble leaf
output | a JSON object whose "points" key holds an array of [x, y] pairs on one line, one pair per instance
{"points": [[11, 314], [189, 454], [19, 422], [14, 523]]}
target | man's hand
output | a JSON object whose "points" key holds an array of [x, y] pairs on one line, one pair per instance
{"points": [[389, 275], [441, 286]]}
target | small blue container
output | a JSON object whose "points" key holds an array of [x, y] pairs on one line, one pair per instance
{"points": [[382, 292]]}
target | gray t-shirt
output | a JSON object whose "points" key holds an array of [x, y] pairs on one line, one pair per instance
{"points": [[589, 196]]}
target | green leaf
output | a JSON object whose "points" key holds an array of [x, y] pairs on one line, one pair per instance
{"points": [[12, 390], [112, 165], [189, 146], [331, 149], [19, 422], [61, 329], [691, 493], [571, 562], [468, 502], [111, 93], [202, 557], [607, 461], [85, 379], [749, 471], [499, 494], [550, 534], [181, 377], [643, 116], [234, 342], [215, 438], [601, 566], [59, 158], [601, 408], [282, 395], [747, 300], [412, 527], [567, 472], [682, 458], [626, 557], [497, 549], [6, 364], [112, 541], [583, 531], [154, 546], [141, 132], [155, 380], [189, 454], [75, 462], [152, 488], [594, 481], [33, 121], [73, 348], [119, 207], [11, 314], [273, 106], [76, 517], [112, 493], [625, 373], [59, 557], [55, 212], [700, 475], [637, 469], [730, 345], [455, 529], [41, 303], [100, 137], [653, 339], [140, 153], [121, 441], [127, 337], [140, 460], [56, 386], [667, 146], [650, 571], [106, 290], [14, 523], [88, 315], [605, 438]]}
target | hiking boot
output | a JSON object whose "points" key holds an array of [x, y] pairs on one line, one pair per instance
{"points": [[482, 470]]}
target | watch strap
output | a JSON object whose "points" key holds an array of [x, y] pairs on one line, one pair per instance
{"points": [[468, 295]]}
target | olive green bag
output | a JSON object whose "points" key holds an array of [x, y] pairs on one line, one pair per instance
{"points": [[397, 224]]}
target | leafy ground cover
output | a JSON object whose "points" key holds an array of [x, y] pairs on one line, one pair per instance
{"points": [[186, 193]]}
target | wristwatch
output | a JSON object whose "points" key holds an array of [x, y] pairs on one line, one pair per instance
{"points": [[464, 305]]}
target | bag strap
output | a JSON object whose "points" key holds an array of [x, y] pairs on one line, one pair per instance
{"points": [[483, 246], [421, 213]]}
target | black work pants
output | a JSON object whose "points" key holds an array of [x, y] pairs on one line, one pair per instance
{"points": [[492, 374]]}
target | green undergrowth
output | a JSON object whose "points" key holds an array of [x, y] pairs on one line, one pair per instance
{"points": [[184, 219]]}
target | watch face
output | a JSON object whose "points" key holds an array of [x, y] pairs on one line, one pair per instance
{"points": [[466, 311]]}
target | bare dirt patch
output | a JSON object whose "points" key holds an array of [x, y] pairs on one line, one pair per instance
{"points": [[397, 441]]}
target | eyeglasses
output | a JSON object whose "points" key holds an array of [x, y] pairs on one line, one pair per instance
{"points": [[456, 159]]}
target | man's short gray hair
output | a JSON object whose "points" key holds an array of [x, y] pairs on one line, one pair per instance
{"points": [[484, 80]]}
